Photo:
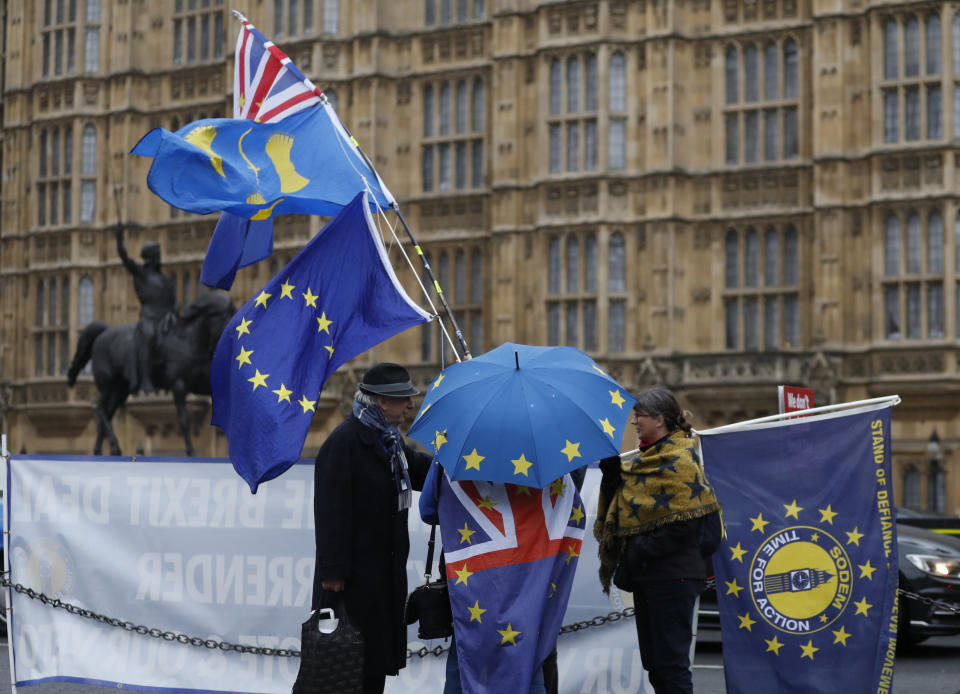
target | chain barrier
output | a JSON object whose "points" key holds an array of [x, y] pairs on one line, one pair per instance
{"points": [[421, 652]]}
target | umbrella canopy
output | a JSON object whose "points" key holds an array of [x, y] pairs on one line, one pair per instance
{"points": [[522, 414]]}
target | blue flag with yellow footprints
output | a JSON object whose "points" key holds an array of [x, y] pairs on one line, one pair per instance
{"points": [[807, 574]]}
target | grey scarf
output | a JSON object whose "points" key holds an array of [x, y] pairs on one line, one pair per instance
{"points": [[392, 441]]}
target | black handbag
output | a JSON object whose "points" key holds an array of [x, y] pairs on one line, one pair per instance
{"points": [[430, 603], [330, 663]]}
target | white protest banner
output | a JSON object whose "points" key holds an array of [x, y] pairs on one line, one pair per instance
{"points": [[180, 545]]}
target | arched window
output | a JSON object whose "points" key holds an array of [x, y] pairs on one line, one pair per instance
{"points": [[554, 269], [429, 13], [911, 45], [445, 109], [731, 261], [752, 259], [461, 10], [771, 254], [445, 11], [914, 244], [88, 200], [618, 82], [428, 111], [590, 83], [573, 85], [911, 488], [891, 246], [771, 73], [733, 74], [890, 49], [935, 243], [52, 296], [459, 277], [791, 261], [461, 106], [590, 263], [617, 264], [478, 105], [556, 87], [751, 75], [478, 9], [933, 44], [427, 168], [40, 302], [573, 264], [85, 301], [476, 276], [790, 69], [88, 161], [956, 246], [956, 44]]}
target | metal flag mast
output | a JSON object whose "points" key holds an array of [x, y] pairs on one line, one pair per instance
{"points": [[464, 348]]}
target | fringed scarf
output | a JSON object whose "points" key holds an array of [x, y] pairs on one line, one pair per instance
{"points": [[663, 484], [392, 441]]}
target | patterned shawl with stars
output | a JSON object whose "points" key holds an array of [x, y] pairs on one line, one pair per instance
{"points": [[662, 485]]}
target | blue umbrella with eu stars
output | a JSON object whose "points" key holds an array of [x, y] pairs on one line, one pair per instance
{"points": [[522, 414]]}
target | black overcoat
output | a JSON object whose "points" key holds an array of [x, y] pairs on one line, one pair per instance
{"points": [[362, 538]]}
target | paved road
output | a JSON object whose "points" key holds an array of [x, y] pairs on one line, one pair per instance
{"points": [[931, 668]]}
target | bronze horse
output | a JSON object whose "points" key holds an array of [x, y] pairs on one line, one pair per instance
{"points": [[183, 365]]}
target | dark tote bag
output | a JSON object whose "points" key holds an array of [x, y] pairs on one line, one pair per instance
{"points": [[330, 663]]}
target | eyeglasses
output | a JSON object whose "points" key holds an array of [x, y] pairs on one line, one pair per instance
{"points": [[643, 414]]}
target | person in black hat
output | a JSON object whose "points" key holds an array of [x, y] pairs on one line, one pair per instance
{"points": [[363, 482]]}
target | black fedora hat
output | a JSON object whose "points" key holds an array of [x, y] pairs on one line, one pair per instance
{"points": [[389, 380]]}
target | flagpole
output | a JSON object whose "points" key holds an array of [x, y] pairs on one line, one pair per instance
{"points": [[436, 284]]}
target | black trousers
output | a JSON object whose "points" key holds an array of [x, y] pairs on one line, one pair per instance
{"points": [[664, 615]]}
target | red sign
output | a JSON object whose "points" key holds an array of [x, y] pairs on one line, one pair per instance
{"points": [[793, 398]]}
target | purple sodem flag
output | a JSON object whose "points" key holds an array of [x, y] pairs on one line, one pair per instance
{"points": [[337, 298], [807, 572]]}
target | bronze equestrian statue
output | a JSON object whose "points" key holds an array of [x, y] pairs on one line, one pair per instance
{"points": [[179, 359]]}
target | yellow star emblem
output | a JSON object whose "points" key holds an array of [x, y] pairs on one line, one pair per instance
{"points": [[571, 450], [487, 503], [473, 460], [259, 379], [437, 382], [746, 622], [262, 299], [759, 523], [283, 394], [823, 618], [840, 636], [244, 357], [577, 514], [866, 571], [521, 465], [244, 327], [808, 649], [521, 489], [286, 290], [463, 575], [329, 348], [509, 635], [476, 611], [814, 537], [827, 514], [853, 538], [310, 298], [572, 552], [733, 588], [439, 439], [324, 324], [607, 427], [793, 509], [616, 398], [307, 405], [773, 645], [465, 534], [557, 487], [863, 607], [738, 553]]}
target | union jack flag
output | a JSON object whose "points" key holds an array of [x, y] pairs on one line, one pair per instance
{"points": [[511, 553], [267, 86]]}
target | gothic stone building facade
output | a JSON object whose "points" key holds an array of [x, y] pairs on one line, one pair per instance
{"points": [[715, 195]]}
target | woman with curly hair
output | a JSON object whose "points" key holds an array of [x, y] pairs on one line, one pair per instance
{"points": [[650, 522]]}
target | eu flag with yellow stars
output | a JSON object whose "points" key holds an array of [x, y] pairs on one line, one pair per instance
{"points": [[338, 297], [807, 573], [511, 553]]}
